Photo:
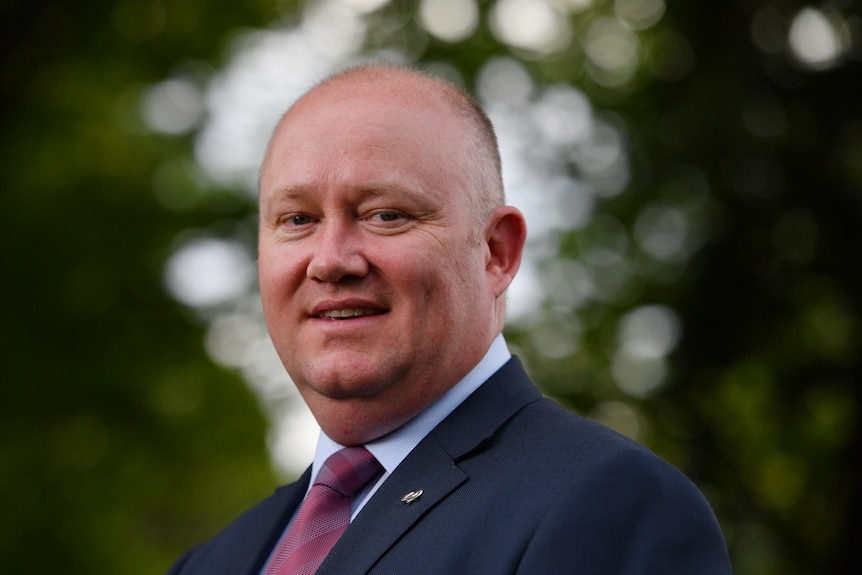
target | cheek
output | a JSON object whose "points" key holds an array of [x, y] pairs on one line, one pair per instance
{"points": [[422, 274], [278, 290], [449, 285], [277, 271]]}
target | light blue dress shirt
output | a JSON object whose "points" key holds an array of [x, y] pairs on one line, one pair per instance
{"points": [[391, 449]]}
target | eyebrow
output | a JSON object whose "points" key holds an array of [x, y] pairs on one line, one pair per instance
{"points": [[279, 195], [371, 189], [288, 192]]}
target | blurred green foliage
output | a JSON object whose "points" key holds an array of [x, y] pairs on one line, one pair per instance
{"points": [[122, 443]]}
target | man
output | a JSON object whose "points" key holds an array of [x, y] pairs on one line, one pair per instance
{"points": [[385, 251]]}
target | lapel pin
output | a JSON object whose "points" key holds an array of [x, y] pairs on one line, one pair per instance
{"points": [[411, 497]]}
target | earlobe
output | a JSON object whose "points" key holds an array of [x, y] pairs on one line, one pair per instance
{"points": [[505, 235]]}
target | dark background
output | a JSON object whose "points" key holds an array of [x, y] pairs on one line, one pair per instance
{"points": [[122, 442]]}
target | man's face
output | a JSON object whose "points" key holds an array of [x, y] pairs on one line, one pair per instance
{"points": [[372, 275]]}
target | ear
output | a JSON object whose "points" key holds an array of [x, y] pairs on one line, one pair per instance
{"points": [[505, 234]]}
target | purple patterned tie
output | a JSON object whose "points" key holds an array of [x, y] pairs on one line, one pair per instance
{"points": [[325, 513]]}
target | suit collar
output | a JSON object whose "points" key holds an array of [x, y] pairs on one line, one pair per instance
{"points": [[431, 467], [486, 410], [263, 533]]}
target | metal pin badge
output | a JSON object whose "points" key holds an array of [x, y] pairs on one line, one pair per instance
{"points": [[411, 497]]}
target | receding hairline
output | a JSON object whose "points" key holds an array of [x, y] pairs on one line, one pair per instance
{"points": [[457, 99], [485, 159]]}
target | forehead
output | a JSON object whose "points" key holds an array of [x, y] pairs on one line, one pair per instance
{"points": [[398, 108], [357, 130]]}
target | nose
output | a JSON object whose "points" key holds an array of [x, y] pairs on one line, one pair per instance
{"points": [[336, 253]]}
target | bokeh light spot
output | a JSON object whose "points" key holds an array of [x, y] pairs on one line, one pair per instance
{"points": [[449, 20], [173, 106], [650, 331], [815, 39], [531, 24], [662, 231], [639, 14], [206, 272], [619, 416], [613, 50]]}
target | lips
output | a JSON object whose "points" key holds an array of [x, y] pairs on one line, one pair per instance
{"points": [[349, 312]]}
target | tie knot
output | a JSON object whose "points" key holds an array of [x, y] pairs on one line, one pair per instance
{"points": [[348, 470]]}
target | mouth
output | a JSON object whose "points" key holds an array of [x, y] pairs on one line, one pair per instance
{"points": [[349, 312]]}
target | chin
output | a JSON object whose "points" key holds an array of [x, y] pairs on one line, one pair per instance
{"points": [[345, 386]]}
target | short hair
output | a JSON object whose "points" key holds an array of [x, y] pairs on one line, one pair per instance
{"points": [[482, 152]]}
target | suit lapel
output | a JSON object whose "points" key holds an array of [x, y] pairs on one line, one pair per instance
{"points": [[261, 535], [431, 467], [385, 517]]}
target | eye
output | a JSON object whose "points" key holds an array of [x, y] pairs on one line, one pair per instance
{"points": [[300, 219], [388, 220], [295, 223], [387, 216]]}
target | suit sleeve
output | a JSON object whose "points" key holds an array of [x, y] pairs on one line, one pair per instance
{"points": [[178, 565], [633, 515], [243, 546]]}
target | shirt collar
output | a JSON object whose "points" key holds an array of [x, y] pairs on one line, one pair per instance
{"points": [[391, 449]]}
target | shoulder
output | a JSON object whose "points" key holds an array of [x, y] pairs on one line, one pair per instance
{"points": [[245, 543], [592, 456], [615, 494], [509, 420]]}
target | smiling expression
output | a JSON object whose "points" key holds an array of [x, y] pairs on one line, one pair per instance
{"points": [[374, 279]]}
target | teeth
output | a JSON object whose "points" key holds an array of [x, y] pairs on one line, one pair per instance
{"points": [[349, 312]]}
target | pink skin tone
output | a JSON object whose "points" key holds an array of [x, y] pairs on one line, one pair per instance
{"points": [[378, 292]]}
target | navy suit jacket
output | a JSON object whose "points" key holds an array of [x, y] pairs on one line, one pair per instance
{"points": [[511, 483]]}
